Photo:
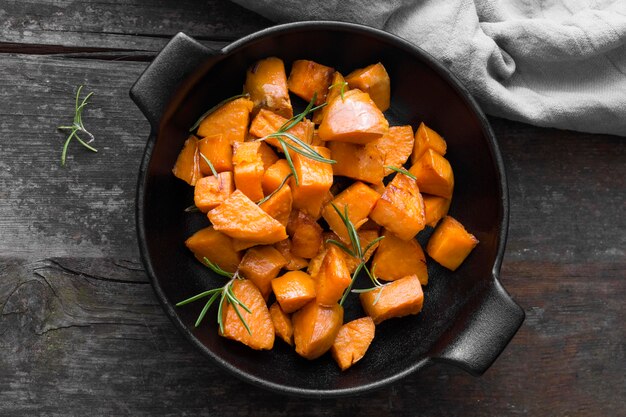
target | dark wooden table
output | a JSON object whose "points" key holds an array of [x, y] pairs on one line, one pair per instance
{"points": [[81, 332]]}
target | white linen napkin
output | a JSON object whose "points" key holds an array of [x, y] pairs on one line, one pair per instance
{"points": [[560, 63]]}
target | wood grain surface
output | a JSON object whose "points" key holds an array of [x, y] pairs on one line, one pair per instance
{"points": [[81, 332]]}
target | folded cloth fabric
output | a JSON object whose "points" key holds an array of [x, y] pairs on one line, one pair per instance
{"points": [[560, 63]]}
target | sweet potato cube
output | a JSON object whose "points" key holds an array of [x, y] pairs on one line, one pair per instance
{"points": [[426, 138], [293, 290], [396, 258], [435, 208], [266, 82], [294, 263], [359, 199], [315, 328], [282, 324], [374, 80], [210, 192], [274, 175], [216, 247], [315, 263], [397, 299], [359, 162], [305, 233], [315, 179], [279, 205], [230, 120], [248, 177], [337, 84], [261, 265], [219, 151], [355, 119], [365, 237], [400, 208], [352, 341], [395, 147], [266, 122], [261, 335], [450, 243], [187, 166], [434, 174], [308, 78], [252, 152], [240, 218], [333, 277]]}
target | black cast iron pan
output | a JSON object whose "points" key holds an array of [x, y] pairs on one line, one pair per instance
{"points": [[467, 319]]}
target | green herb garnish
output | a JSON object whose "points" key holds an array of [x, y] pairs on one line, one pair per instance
{"points": [[282, 184], [208, 162], [343, 85], [77, 126], [401, 171]]}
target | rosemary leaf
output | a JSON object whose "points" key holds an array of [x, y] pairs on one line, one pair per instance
{"points": [[298, 117], [77, 126], [354, 275], [196, 297], [401, 171], [372, 243], [343, 86], [341, 246], [212, 109], [270, 195], [289, 161], [192, 209], [236, 308], [211, 167], [206, 308], [215, 268]]}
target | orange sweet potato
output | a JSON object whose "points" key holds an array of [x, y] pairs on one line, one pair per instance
{"points": [[266, 122], [396, 258], [365, 237], [395, 147], [266, 82], [210, 192], [359, 162], [293, 290], [354, 119], [315, 328], [450, 243], [219, 151], [397, 299], [333, 277], [282, 324], [248, 177], [308, 78], [435, 208], [359, 199], [336, 86], [261, 336], [187, 166], [274, 175], [294, 263], [230, 120], [315, 179], [305, 233], [426, 138], [216, 247], [374, 80], [279, 205], [352, 341], [252, 152], [434, 174], [240, 218], [400, 208], [261, 264]]}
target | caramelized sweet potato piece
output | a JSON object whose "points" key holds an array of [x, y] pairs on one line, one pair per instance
{"points": [[396, 258], [315, 179], [294, 263], [219, 151], [435, 208], [282, 324], [352, 341], [434, 174], [426, 138], [216, 247], [333, 277], [374, 80], [266, 82], [395, 147], [252, 152], [305, 233], [187, 166], [308, 78], [315, 328], [400, 208], [240, 218], [248, 177], [360, 200], [265, 123], [335, 88], [397, 299], [293, 290], [354, 119], [210, 192], [230, 120], [450, 243], [261, 265], [261, 336], [274, 175], [359, 162], [279, 205]]}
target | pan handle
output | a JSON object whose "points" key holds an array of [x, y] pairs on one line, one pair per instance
{"points": [[485, 326], [157, 84]]}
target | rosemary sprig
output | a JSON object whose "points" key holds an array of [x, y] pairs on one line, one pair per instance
{"points": [[377, 285], [212, 109], [192, 209], [282, 184], [224, 293], [401, 171], [343, 85], [77, 126], [357, 250]]}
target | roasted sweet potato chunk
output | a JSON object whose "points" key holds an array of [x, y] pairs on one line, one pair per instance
{"points": [[266, 82], [315, 328], [293, 290], [210, 192], [397, 299], [219, 151], [315, 179], [308, 78], [294, 263], [435, 208], [305, 233], [216, 247], [374, 80], [396, 258], [426, 138], [359, 162], [274, 175], [450, 243], [250, 160], [230, 120], [355, 119], [265, 123], [395, 147], [337, 85], [282, 324], [434, 174], [187, 166], [261, 335], [352, 341], [261, 264], [333, 277], [279, 205], [359, 199]]}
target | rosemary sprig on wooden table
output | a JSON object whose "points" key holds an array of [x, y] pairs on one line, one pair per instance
{"points": [[77, 126]]}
